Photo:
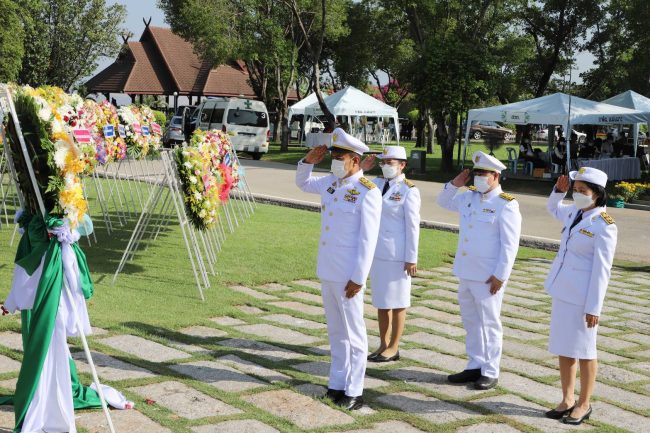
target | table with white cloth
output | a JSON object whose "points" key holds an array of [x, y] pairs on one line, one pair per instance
{"points": [[616, 168]]}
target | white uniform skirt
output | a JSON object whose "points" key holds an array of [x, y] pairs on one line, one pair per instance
{"points": [[391, 286], [569, 334]]}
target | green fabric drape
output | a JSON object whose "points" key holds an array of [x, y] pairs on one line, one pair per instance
{"points": [[38, 323]]}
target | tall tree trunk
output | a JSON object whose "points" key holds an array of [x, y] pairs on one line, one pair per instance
{"points": [[419, 128], [446, 137], [430, 131], [276, 123]]}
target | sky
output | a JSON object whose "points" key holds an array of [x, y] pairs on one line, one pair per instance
{"points": [[139, 9]]}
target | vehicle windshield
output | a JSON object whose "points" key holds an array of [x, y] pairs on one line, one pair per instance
{"points": [[248, 118], [177, 120]]}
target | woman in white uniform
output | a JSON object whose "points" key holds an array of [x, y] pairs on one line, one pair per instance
{"points": [[577, 282], [396, 255]]}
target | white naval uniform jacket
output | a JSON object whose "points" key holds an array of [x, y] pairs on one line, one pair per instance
{"points": [[490, 226], [399, 231], [350, 213], [581, 270]]}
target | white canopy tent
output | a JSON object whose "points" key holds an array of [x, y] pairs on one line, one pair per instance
{"points": [[299, 107], [635, 101], [351, 102], [556, 109]]}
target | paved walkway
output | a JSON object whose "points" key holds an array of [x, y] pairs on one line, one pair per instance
{"points": [[277, 180], [265, 370]]}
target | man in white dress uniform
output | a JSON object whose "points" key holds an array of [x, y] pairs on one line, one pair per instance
{"points": [[350, 215], [490, 226]]}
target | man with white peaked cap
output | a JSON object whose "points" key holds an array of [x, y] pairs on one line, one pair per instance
{"points": [[490, 226], [350, 214]]}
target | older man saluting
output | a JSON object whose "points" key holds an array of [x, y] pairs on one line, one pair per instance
{"points": [[490, 226], [350, 214]]}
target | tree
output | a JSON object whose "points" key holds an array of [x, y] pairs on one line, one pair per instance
{"points": [[11, 41], [64, 39], [620, 44]]}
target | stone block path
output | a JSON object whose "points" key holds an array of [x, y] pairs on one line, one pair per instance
{"points": [[264, 370]]}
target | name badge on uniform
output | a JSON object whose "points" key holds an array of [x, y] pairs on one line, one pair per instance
{"points": [[351, 198], [587, 233], [396, 196], [489, 210]]}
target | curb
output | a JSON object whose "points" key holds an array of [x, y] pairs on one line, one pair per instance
{"points": [[524, 241]]}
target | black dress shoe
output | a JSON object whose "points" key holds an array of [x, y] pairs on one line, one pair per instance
{"points": [[350, 403], [382, 358], [559, 414], [465, 376], [485, 382], [335, 394], [372, 356], [576, 421]]}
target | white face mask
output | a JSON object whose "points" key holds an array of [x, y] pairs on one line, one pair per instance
{"points": [[481, 184], [338, 168], [582, 201], [390, 171]]}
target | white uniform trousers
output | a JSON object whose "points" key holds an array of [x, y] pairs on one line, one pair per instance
{"points": [[346, 330], [481, 312]]}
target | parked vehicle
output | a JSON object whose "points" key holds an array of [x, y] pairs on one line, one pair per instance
{"points": [[247, 122], [542, 134], [174, 132], [480, 128]]}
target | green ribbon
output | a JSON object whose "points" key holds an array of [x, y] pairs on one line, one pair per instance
{"points": [[38, 323]]}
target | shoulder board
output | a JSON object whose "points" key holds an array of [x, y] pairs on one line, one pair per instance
{"points": [[608, 219], [472, 188], [506, 196], [409, 183], [365, 182]]}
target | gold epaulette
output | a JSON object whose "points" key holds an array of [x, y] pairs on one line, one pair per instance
{"points": [[608, 219], [365, 182], [472, 188], [409, 183], [506, 196]]}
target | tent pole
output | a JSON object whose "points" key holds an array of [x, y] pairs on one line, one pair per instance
{"points": [[466, 142]]}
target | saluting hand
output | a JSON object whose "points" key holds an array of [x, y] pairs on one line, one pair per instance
{"points": [[411, 269], [351, 289], [316, 155], [495, 284], [591, 320], [368, 163], [562, 184], [461, 179]]}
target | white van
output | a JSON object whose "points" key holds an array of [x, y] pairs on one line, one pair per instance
{"points": [[246, 120]]}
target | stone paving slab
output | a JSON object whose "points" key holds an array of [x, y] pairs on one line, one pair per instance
{"points": [[130, 421], [614, 343], [143, 348], [441, 293], [249, 367], [322, 369], [274, 287], [531, 388], [425, 356], [110, 368], [304, 296], [527, 368], [526, 351], [522, 335], [308, 283], [535, 326], [278, 334], [254, 293], [298, 409], [236, 426], [621, 396], [285, 319], [299, 307], [9, 384], [442, 305], [6, 419], [617, 374], [435, 381], [8, 365], [521, 311], [609, 414], [488, 428], [443, 328], [388, 427], [248, 309], [526, 413], [190, 348], [12, 340], [203, 332], [438, 315], [428, 408], [443, 344], [259, 348], [184, 400], [227, 321], [219, 375]]}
